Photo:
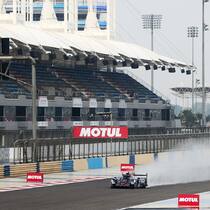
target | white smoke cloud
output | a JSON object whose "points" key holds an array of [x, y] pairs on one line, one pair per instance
{"points": [[190, 164]]}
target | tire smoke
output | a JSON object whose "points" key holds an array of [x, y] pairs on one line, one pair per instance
{"points": [[190, 163]]}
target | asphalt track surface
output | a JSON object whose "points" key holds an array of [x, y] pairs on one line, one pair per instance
{"points": [[93, 195]]}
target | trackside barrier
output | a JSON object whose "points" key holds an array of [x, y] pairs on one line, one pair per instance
{"points": [[67, 166], [144, 159], [80, 164], [163, 156], [50, 167], [6, 170], [132, 159], [22, 169], [37, 167], [95, 163], [117, 160], [1, 172], [170, 156], [105, 162], [155, 156]]}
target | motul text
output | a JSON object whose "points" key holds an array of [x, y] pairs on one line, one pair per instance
{"points": [[100, 132], [35, 177], [188, 200], [127, 167]]}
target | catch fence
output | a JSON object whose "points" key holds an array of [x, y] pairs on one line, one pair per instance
{"points": [[26, 151]]}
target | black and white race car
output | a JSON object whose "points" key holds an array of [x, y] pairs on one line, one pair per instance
{"points": [[129, 181]]}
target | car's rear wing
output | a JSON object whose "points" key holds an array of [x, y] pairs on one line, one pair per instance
{"points": [[141, 175]]}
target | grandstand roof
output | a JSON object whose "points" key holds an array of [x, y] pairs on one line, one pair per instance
{"points": [[35, 36]]}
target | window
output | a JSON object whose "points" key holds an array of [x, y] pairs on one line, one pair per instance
{"points": [[91, 114], [40, 113], [1, 113], [147, 115], [106, 117], [121, 114], [106, 109], [76, 113], [58, 113], [20, 113], [135, 113], [165, 114], [147, 112]]}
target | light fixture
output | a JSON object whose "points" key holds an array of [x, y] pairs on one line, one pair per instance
{"points": [[171, 70], [155, 67], [188, 72], [147, 67], [135, 65]]}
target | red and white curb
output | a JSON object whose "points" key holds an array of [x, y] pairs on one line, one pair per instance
{"points": [[53, 183]]}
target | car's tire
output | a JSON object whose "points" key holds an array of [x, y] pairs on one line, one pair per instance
{"points": [[143, 186], [113, 186]]}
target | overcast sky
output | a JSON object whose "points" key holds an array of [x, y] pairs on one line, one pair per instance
{"points": [[171, 40]]}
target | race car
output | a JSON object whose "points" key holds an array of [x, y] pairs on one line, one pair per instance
{"points": [[129, 181]]}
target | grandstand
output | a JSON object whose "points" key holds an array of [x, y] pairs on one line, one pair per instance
{"points": [[79, 75]]}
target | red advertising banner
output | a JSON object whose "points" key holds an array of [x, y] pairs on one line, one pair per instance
{"points": [[188, 200], [100, 132], [35, 177], [127, 167]]}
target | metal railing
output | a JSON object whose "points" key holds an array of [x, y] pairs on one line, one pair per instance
{"points": [[68, 148]]}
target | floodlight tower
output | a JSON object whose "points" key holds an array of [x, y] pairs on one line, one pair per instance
{"points": [[204, 29], [152, 22], [193, 33]]}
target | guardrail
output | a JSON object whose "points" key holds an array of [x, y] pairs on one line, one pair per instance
{"points": [[11, 170]]}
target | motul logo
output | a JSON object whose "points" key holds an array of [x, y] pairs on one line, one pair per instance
{"points": [[188, 200], [127, 167], [34, 177], [100, 132]]}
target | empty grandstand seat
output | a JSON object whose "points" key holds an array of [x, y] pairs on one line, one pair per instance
{"points": [[87, 82], [12, 89]]}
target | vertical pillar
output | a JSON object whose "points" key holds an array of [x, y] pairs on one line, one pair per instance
{"points": [[108, 19], [70, 15], [14, 6], [34, 107], [66, 19], [31, 10]]}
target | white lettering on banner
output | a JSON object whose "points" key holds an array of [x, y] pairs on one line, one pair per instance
{"points": [[127, 167], [95, 132], [34, 177], [102, 132], [85, 132], [188, 200]]}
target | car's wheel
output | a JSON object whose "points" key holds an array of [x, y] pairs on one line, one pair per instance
{"points": [[113, 186]]}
